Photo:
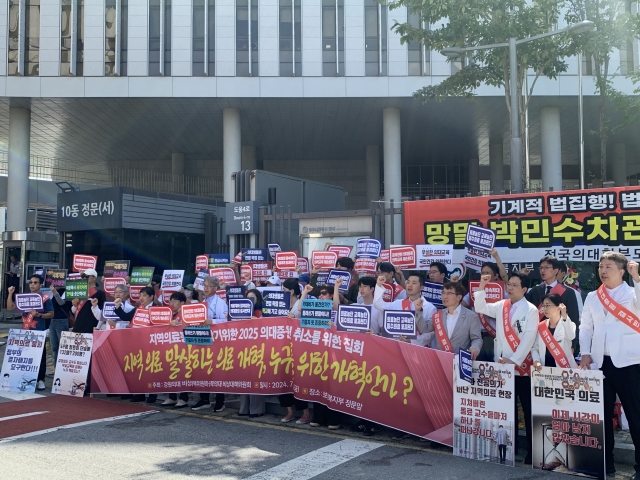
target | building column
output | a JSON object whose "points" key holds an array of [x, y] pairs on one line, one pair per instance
{"points": [[373, 174], [177, 168], [619, 165], [18, 171], [474, 177], [392, 170], [551, 149], [231, 150], [249, 158], [496, 168]]}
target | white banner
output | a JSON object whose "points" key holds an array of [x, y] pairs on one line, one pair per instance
{"points": [[72, 367], [579, 253], [22, 361], [567, 407], [427, 254], [483, 413]]}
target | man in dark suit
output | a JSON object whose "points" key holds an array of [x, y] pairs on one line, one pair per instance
{"points": [[549, 267]]}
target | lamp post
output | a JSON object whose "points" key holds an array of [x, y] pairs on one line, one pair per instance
{"points": [[516, 142]]}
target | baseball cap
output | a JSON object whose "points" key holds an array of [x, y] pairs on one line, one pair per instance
{"points": [[304, 278], [274, 279], [90, 272], [190, 287]]}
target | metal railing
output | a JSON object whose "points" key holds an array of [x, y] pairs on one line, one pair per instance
{"points": [[100, 173]]}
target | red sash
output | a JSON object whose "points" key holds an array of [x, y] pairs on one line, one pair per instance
{"points": [[29, 322], [559, 289], [441, 332], [81, 304], [617, 310], [487, 325], [406, 304], [554, 349], [513, 340]]}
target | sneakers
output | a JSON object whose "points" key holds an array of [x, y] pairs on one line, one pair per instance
{"points": [[169, 403], [41, 385], [306, 418], [334, 427], [312, 424], [201, 405], [218, 408], [290, 417], [181, 404]]}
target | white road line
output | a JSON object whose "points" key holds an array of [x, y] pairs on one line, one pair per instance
{"points": [[316, 462], [3, 419], [20, 396], [74, 425]]}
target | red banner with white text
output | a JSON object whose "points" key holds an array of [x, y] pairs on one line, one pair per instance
{"points": [[393, 383]]}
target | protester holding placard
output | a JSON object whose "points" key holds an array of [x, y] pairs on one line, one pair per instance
{"points": [[256, 297], [549, 268], [437, 272], [563, 278], [175, 302], [610, 341], [253, 405], [456, 328], [60, 321], [217, 310], [85, 319], [292, 286], [516, 331], [391, 276], [346, 264], [555, 336], [35, 319], [120, 292], [414, 302]]}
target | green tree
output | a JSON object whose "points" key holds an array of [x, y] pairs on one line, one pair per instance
{"points": [[615, 29], [469, 23]]}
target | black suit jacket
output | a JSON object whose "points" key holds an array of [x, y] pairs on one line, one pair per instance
{"points": [[536, 294]]}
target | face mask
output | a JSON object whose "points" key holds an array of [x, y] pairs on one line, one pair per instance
{"points": [[188, 293]]}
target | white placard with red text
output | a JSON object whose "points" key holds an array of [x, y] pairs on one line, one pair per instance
{"points": [[72, 366], [194, 313], [225, 275], [110, 284], [323, 259], [84, 262], [286, 260], [340, 250]]}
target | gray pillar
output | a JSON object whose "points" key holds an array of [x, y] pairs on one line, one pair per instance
{"points": [[619, 165], [249, 158], [231, 150], [18, 172], [496, 168], [474, 176], [551, 149], [392, 170], [373, 174]]}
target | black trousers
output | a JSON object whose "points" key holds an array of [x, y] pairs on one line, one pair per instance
{"points": [[625, 382], [288, 400], [503, 452], [523, 393], [325, 416], [205, 397], [43, 364]]}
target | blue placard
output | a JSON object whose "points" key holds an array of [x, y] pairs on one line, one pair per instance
{"points": [[368, 248], [276, 304], [335, 274], [398, 323], [219, 260], [109, 311], [465, 366], [432, 292], [197, 335], [236, 292], [354, 318], [322, 278], [316, 313], [480, 238], [255, 255], [240, 309], [273, 248]]}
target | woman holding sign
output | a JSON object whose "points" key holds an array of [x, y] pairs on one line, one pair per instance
{"points": [[556, 332]]}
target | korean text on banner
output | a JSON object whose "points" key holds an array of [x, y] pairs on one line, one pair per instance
{"points": [[483, 413], [219, 260], [354, 318], [399, 323], [255, 255], [316, 313], [428, 254], [77, 289], [160, 315], [240, 308], [323, 259], [368, 248], [194, 313], [365, 265], [84, 262], [403, 256], [344, 275], [286, 260], [172, 280], [477, 245], [72, 367], [276, 304], [141, 275], [340, 250], [28, 301], [110, 284], [494, 290], [56, 277], [21, 361], [432, 292], [202, 263], [109, 311], [374, 378], [225, 275], [116, 268], [568, 415]]}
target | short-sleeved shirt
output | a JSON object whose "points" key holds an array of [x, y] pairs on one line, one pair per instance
{"points": [[47, 307]]}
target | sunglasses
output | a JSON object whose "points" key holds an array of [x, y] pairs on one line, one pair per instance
{"points": [[34, 283], [324, 292]]}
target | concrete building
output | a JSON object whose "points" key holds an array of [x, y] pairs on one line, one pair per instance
{"points": [[318, 89]]}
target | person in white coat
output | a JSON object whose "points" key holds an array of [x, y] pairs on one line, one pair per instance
{"points": [[518, 320], [562, 331], [610, 341]]}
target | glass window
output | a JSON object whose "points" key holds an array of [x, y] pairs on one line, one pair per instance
{"points": [[371, 37], [290, 39], [384, 34], [418, 54], [124, 36], [211, 38], [199, 37], [246, 38], [66, 28], [32, 38], [154, 37], [167, 38], [14, 57], [80, 39], [116, 33], [332, 35]]}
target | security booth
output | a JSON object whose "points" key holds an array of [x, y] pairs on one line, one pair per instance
{"points": [[166, 231], [35, 250]]}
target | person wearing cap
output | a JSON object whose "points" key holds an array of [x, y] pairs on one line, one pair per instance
{"points": [[192, 294], [85, 319], [274, 281], [304, 279], [242, 279], [217, 310]]}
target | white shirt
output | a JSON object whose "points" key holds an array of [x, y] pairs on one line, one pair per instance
{"points": [[501, 436], [15, 268], [615, 294], [376, 317], [452, 319], [216, 309]]}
